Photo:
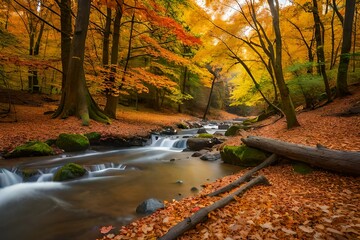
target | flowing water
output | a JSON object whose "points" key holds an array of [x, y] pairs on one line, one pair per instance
{"points": [[117, 181]]}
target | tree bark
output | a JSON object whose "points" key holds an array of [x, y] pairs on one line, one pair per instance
{"points": [[246, 177], [319, 37], [341, 82], [76, 99], [340, 161], [66, 31], [202, 214], [287, 104], [106, 39], [215, 73], [112, 98]]}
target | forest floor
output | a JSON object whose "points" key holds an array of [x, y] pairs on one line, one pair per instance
{"points": [[318, 205]]}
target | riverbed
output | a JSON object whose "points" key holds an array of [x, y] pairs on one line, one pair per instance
{"points": [[117, 182]]}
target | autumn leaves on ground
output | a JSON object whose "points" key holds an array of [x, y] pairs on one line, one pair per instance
{"points": [[318, 205]]}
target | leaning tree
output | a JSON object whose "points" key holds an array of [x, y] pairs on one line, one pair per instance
{"points": [[76, 99]]}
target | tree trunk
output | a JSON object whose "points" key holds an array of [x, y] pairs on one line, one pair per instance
{"points": [[66, 31], [106, 39], [339, 161], [286, 101], [112, 98], [209, 99], [76, 99], [319, 37], [354, 39], [202, 214], [341, 82]]}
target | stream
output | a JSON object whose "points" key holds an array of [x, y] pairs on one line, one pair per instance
{"points": [[116, 183]]}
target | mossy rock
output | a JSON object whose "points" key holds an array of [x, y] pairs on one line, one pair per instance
{"points": [[242, 156], [302, 168], [27, 173], [182, 125], [234, 129], [72, 142], [205, 135], [50, 142], [93, 137], [69, 171], [250, 121], [31, 149]]}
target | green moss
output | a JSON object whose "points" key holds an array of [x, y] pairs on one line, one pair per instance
{"points": [[205, 135], [302, 168], [72, 142], [242, 155], [93, 136], [27, 173], [250, 121], [31, 149], [182, 125], [68, 172], [234, 129], [50, 142]]}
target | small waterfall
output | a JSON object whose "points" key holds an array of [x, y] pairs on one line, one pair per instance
{"points": [[45, 177], [104, 169], [8, 178], [172, 142], [105, 166]]}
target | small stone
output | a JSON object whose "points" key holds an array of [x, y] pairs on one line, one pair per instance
{"points": [[194, 189], [179, 181], [149, 206]]}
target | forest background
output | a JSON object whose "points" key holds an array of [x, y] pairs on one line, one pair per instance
{"points": [[246, 57]]}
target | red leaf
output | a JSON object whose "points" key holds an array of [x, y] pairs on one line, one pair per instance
{"points": [[105, 230]]}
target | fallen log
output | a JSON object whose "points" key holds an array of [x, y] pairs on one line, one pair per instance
{"points": [[246, 177], [347, 162], [201, 215]]}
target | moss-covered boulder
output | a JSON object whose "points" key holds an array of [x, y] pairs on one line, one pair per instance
{"points": [[197, 144], [205, 135], [31, 149], [94, 137], [182, 125], [72, 142], [242, 156], [69, 171], [234, 129]]}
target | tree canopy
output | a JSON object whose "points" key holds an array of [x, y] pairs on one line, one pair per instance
{"points": [[272, 55]]}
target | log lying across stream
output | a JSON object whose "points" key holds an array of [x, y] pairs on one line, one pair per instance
{"points": [[347, 162]]}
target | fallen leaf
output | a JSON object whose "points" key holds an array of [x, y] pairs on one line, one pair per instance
{"points": [[325, 209], [306, 229], [105, 230], [288, 231], [267, 225], [334, 231], [347, 191]]}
